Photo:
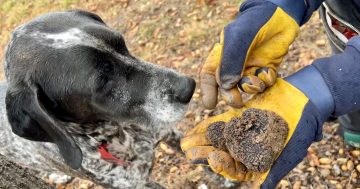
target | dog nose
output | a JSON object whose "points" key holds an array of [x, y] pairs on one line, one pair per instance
{"points": [[184, 89]]}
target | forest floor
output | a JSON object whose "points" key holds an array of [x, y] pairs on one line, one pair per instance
{"points": [[179, 34]]}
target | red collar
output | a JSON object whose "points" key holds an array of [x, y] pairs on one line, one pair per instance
{"points": [[105, 155]]}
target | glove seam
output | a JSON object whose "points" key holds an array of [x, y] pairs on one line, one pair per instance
{"points": [[328, 82]]}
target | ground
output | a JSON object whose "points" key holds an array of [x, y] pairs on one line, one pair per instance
{"points": [[13, 177], [179, 34]]}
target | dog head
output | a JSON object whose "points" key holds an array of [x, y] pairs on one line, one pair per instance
{"points": [[69, 68]]}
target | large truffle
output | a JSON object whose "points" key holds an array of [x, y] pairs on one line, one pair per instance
{"points": [[256, 138]]}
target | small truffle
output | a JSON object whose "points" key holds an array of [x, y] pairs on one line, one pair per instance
{"points": [[215, 134], [256, 138]]}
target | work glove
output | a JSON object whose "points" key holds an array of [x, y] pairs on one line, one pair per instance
{"points": [[303, 100], [250, 50]]}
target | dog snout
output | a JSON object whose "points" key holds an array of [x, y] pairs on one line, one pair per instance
{"points": [[184, 89]]}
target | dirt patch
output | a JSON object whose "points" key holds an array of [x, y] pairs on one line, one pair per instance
{"points": [[255, 139], [14, 177]]}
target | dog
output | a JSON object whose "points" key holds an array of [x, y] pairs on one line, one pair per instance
{"points": [[77, 102]]}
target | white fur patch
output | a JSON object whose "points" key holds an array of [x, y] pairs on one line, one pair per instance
{"points": [[70, 38], [157, 104], [161, 109]]}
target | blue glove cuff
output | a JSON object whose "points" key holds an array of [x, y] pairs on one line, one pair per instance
{"points": [[295, 8], [312, 84]]}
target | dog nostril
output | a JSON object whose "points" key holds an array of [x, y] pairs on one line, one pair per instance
{"points": [[184, 89]]}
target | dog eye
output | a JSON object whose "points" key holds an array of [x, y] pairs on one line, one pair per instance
{"points": [[128, 71], [105, 67], [105, 72]]}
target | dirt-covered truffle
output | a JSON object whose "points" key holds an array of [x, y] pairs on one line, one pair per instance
{"points": [[256, 138], [215, 134]]}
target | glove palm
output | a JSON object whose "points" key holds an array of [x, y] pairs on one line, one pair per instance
{"points": [[283, 99]]}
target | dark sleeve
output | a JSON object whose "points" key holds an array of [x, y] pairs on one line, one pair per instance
{"points": [[300, 10], [312, 5], [341, 73]]}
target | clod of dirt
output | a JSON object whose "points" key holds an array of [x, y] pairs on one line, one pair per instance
{"points": [[215, 134], [256, 138]]}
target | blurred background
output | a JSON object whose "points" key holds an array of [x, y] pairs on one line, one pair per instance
{"points": [[179, 34]]}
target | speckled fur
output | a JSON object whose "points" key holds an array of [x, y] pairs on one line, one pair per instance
{"points": [[136, 146], [132, 139]]}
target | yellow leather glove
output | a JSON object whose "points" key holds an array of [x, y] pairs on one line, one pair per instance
{"points": [[249, 51], [304, 123]]}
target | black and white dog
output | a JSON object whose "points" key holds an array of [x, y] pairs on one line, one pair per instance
{"points": [[78, 102]]}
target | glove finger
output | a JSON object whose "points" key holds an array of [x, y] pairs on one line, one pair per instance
{"points": [[222, 163], [199, 154], [234, 55], [213, 60], [209, 90], [191, 141], [208, 85], [232, 97], [251, 84], [267, 75]]}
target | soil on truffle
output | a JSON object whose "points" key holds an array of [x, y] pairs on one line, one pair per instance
{"points": [[256, 138], [215, 134]]}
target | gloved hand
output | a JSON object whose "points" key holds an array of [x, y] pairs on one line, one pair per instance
{"points": [[301, 102], [249, 51]]}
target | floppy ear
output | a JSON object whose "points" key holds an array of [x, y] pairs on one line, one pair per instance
{"points": [[29, 119]]}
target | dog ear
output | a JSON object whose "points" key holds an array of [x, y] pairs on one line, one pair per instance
{"points": [[30, 119]]}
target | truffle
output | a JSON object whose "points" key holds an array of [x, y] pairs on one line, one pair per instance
{"points": [[256, 139]]}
